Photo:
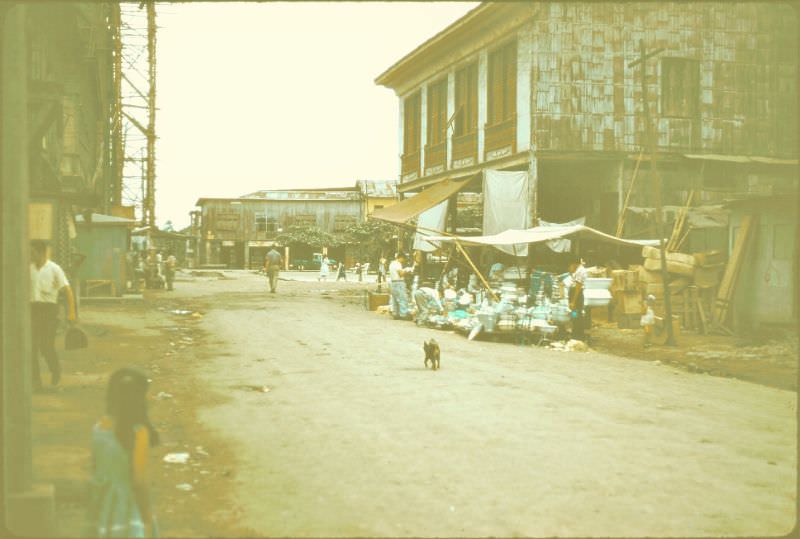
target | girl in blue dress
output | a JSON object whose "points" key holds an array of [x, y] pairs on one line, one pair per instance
{"points": [[119, 497]]}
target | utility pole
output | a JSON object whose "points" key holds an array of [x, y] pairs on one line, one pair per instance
{"points": [[150, 193], [649, 143], [28, 508]]}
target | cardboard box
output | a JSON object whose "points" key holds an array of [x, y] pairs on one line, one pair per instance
{"points": [[630, 302]]}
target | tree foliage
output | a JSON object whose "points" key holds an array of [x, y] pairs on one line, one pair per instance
{"points": [[308, 235], [372, 238]]}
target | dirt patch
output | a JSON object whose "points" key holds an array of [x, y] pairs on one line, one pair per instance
{"points": [[147, 336], [770, 361]]}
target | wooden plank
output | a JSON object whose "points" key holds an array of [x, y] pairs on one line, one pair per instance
{"points": [[701, 312], [732, 270]]}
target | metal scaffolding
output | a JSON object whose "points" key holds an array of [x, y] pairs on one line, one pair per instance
{"points": [[135, 110]]}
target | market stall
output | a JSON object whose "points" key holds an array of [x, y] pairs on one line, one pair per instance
{"points": [[527, 304]]}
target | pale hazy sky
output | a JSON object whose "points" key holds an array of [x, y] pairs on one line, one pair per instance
{"points": [[276, 95]]}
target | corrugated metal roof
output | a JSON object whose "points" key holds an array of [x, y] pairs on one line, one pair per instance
{"points": [[302, 195], [378, 188], [102, 219]]}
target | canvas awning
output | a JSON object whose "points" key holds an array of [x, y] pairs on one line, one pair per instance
{"points": [[409, 208], [541, 233]]}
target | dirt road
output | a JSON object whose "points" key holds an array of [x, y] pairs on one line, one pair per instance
{"points": [[355, 438]]}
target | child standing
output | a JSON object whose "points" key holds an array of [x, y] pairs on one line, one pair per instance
{"points": [[119, 497], [648, 319]]}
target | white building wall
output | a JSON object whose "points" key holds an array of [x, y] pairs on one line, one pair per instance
{"points": [[483, 94], [451, 109], [524, 57], [400, 133], [423, 122]]}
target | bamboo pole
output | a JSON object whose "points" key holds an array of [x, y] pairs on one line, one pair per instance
{"points": [[475, 269], [621, 219]]}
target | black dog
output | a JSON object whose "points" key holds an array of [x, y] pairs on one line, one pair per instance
{"points": [[431, 353]]}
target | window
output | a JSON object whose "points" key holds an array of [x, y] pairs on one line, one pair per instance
{"points": [[261, 222], [272, 225], [411, 124], [378, 207], [680, 87], [437, 112], [305, 220], [503, 84], [466, 113]]}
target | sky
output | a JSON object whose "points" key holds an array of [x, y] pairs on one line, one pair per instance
{"points": [[275, 95]]}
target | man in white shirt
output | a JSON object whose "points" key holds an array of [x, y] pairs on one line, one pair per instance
{"points": [[398, 287], [576, 299], [47, 280]]}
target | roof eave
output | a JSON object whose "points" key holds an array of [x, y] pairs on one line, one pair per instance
{"points": [[386, 78]]}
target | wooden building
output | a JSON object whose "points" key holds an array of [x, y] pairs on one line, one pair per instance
{"points": [[71, 95], [238, 232], [547, 88]]}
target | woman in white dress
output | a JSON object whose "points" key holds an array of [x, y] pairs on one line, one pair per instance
{"points": [[324, 269]]}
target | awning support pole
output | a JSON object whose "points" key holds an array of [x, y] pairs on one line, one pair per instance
{"points": [[477, 271]]}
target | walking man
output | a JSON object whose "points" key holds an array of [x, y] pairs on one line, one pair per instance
{"points": [[272, 267], [399, 289], [47, 280], [169, 270]]}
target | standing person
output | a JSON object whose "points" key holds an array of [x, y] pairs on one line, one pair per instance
{"points": [[358, 271], [576, 299], [47, 280], [119, 493], [397, 273], [272, 267], [169, 269], [381, 270], [324, 269], [340, 272], [648, 319]]}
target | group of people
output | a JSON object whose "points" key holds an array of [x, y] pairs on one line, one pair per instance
{"points": [[360, 269], [156, 270]]}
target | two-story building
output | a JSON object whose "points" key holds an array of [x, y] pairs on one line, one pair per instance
{"points": [[548, 88], [238, 232]]}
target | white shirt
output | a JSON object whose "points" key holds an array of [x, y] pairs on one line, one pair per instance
{"points": [[394, 271], [580, 275], [46, 282]]}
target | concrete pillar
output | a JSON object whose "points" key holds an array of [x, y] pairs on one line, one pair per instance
{"points": [[423, 122], [29, 509], [286, 258], [524, 89], [246, 254], [483, 97], [451, 109], [533, 188]]}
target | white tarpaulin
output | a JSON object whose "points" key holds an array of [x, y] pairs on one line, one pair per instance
{"points": [[562, 245], [430, 220], [506, 205], [541, 233]]}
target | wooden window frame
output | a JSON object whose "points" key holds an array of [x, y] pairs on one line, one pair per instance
{"points": [[466, 100], [261, 222], [502, 84], [436, 116], [412, 131], [676, 74]]}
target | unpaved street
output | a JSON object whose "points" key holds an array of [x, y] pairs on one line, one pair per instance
{"points": [[356, 438]]}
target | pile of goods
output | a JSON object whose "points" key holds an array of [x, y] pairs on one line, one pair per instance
{"points": [[692, 281]]}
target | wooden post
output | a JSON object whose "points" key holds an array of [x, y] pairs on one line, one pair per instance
{"points": [[16, 341], [670, 341]]}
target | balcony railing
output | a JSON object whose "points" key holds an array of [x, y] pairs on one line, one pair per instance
{"points": [[465, 146], [501, 135], [409, 163], [435, 155]]}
